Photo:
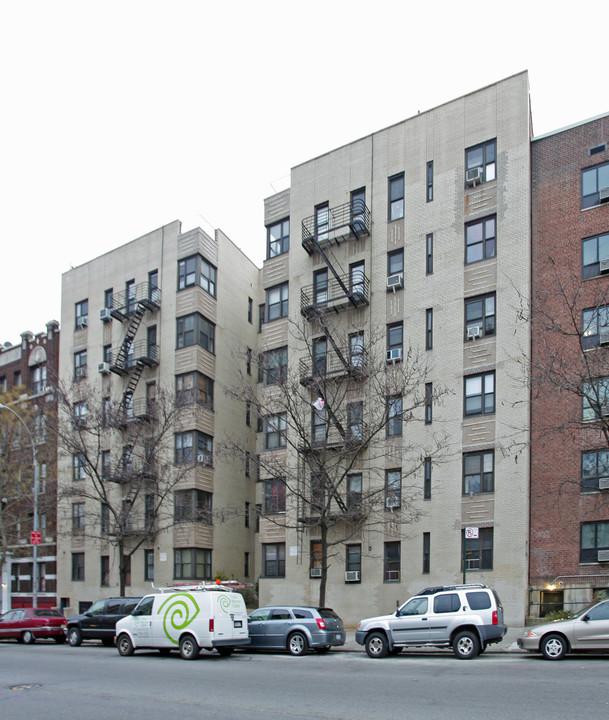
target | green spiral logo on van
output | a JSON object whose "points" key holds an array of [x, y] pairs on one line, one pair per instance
{"points": [[181, 609]]}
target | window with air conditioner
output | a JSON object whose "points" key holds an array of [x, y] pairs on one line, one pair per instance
{"points": [[595, 185], [395, 334], [594, 543], [81, 314], [595, 399], [80, 365], [392, 561], [479, 317], [595, 255], [315, 569], [595, 327], [395, 270], [353, 563], [481, 163], [595, 470]]}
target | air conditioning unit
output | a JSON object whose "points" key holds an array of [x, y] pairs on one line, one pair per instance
{"points": [[352, 576], [105, 315], [394, 355], [603, 556], [82, 322], [603, 195], [473, 176], [604, 410], [603, 483], [603, 335], [315, 572], [392, 502], [204, 458], [395, 282], [604, 265], [474, 331], [103, 368]]}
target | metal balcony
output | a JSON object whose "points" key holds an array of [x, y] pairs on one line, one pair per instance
{"points": [[345, 222], [331, 367], [142, 352], [123, 306], [338, 295]]}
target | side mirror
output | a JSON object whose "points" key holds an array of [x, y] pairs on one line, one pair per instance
{"points": [[585, 618]]}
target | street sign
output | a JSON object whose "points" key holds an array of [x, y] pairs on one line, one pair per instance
{"points": [[35, 537], [471, 533]]}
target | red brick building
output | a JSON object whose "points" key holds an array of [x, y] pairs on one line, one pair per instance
{"points": [[569, 532], [27, 373]]}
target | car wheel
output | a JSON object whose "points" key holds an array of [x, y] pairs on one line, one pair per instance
{"points": [[297, 644], [60, 640], [74, 637], [28, 637], [376, 645], [124, 645], [189, 649], [554, 647], [225, 651], [323, 649], [466, 645], [108, 642]]}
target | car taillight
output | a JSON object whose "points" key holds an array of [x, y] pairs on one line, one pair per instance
{"points": [[495, 618], [211, 624], [321, 624]]}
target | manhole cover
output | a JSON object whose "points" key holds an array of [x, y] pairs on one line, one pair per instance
{"points": [[28, 686]]}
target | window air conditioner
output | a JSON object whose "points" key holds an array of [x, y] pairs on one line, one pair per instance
{"points": [[604, 265], [105, 315], [473, 176], [394, 355], [605, 410], [395, 282], [315, 572], [474, 331], [104, 368], [392, 502], [603, 556], [603, 195], [603, 483], [352, 576], [82, 322]]}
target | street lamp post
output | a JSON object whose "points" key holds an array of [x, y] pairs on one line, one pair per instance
{"points": [[35, 528]]}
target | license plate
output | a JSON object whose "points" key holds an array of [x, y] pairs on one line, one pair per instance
{"points": [[338, 636], [238, 623]]}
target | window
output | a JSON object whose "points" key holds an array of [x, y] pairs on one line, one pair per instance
{"points": [[396, 197], [429, 254], [356, 350], [391, 564], [395, 266], [196, 330], [191, 564], [149, 565], [153, 286], [595, 326], [320, 356], [275, 427], [358, 211], [394, 342], [480, 394], [246, 564], [428, 403], [82, 314], [595, 255], [191, 268], [39, 379], [319, 426], [194, 388], [79, 465], [273, 366], [320, 288], [480, 316], [357, 280], [277, 239], [355, 421], [479, 551], [426, 552], [274, 496], [80, 365], [130, 296], [594, 181], [149, 510], [427, 479], [273, 560], [105, 519], [594, 537], [483, 157], [448, 603], [186, 442], [208, 277], [394, 416], [187, 272], [595, 470], [108, 298], [429, 329], [322, 222], [429, 182], [79, 419], [318, 493], [315, 559], [104, 575], [78, 517], [479, 472], [595, 399], [248, 361], [246, 514], [193, 506], [480, 240], [353, 559], [354, 491], [277, 302], [78, 567], [393, 489], [250, 310]]}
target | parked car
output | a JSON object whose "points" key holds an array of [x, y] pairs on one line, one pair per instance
{"points": [[295, 628], [27, 625], [586, 630], [99, 621], [464, 617]]}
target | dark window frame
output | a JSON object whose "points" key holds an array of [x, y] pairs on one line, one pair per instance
{"points": [[487, 239], [592, 198], [478, 552], [600, 540], [594, 465], [278, 309], [486, 478], [280, 243], [486, 320], [395, 197], [488, 159], [429, 181], [392, 561], [486, 396], [273, 566]]}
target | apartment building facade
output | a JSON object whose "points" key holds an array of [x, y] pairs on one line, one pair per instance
{"points": [[569, 537], [407, 248], [154, 332], [28, 371]]}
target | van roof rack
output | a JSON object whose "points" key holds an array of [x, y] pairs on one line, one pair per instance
{"points": [[442, 588], [203, 586]]}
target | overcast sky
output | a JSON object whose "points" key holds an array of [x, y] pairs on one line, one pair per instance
{"points": [[119, 117]]}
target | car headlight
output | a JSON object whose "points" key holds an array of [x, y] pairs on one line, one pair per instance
{"points": [[531, 634]]}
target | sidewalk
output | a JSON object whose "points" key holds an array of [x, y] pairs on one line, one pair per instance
{"points": [[508, 644]]}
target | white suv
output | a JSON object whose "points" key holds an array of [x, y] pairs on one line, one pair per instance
{"points": [[464, 617]]}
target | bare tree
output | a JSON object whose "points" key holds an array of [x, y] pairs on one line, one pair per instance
{"points": [[327, 424]]}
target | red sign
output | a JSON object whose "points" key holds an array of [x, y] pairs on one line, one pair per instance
{"points": [[35, 537]]}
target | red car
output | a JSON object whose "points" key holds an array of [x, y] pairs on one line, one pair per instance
{"points": [[26, 625]]}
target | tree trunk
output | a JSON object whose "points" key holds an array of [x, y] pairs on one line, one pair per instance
{"points": [[324, 565], [122, 568]]}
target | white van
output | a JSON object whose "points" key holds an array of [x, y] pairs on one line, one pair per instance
{"points": [[185, 619]]}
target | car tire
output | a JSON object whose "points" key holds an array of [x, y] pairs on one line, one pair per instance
{"points": [[189, 648], [377, 645], [27, 637], [554, 647], [124, 645], [297, 644], [225, 651], [466, 645], [74, 637]]}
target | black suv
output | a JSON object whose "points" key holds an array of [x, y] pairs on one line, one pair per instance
{"points": [[99, 621]]}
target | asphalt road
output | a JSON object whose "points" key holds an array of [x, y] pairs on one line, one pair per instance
{"points": [[93, 682]]}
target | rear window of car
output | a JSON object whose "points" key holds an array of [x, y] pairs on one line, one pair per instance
{"points": [[479, 600], [327, 613], [446, 603], [47, 613], [302, 614]]}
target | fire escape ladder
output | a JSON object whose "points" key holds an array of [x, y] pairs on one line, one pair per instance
{"points": [[338, 278], [132, 328], [337, 350], [133, 381]]}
